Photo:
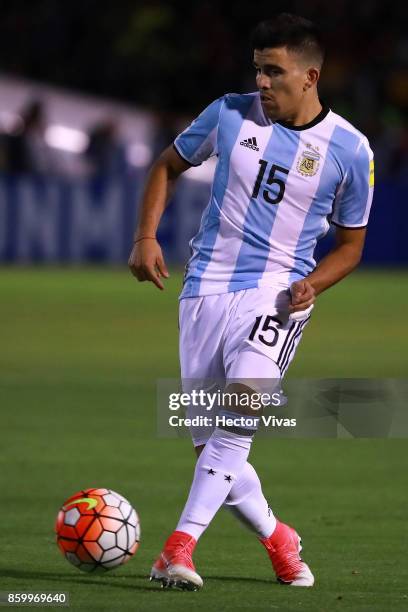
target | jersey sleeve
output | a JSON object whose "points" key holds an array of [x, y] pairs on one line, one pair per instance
{"points": [[352, 203], [199, 140]]}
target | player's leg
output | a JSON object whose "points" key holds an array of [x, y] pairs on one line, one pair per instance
{"points": [[252, 358], [247, 502], [225, 453], [202, 321], [218, 467], [211, 485]]}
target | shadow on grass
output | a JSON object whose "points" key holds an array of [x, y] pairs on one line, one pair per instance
{"points": [[242, 579], [84, 579], [115, 581]]}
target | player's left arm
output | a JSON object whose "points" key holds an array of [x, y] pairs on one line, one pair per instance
{"points": [[337, 264], [350, 216]]}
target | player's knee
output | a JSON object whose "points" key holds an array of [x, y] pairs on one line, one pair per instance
{"points": [[252, 365], [238, 398]]}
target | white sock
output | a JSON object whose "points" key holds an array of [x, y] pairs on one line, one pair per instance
{"points": [[217, 469], [247, 502]]}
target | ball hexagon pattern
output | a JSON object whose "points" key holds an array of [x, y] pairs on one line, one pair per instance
{"points": [[111, 500], [97, 530], [72, 517]]}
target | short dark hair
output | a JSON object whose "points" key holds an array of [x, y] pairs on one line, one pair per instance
{"points": [[291, 31]]}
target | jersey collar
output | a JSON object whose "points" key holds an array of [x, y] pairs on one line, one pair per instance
{"points": [[325, 110], [297, 128]]}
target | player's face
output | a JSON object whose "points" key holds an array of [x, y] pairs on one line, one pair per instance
{"points": [[281, 78]]}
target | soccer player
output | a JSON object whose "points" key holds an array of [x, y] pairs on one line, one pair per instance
{"points": [[287, 167]]}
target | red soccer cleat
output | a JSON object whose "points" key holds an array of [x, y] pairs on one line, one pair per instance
{"points": [[284, 546], [175, 566]]}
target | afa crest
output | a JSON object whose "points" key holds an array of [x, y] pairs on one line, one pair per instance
{"points": [[309, 161]]}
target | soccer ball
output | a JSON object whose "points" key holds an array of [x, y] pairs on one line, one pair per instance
{"points": [[97, 530]]}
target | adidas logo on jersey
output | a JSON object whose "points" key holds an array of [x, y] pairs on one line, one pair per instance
{"points": [[250, 143]]}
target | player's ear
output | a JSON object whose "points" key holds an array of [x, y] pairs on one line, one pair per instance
{"points": [[312, 76]]}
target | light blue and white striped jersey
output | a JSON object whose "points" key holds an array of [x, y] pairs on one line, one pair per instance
{"points": [[276, 188]]}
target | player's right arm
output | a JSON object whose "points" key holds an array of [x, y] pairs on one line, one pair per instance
{"points": [[193, 146], [146, 261]]}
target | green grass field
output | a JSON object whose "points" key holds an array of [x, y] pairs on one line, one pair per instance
{"points": [[81, 351]]}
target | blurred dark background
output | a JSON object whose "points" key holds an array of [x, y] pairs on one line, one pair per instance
{"points": [[92, 91]]}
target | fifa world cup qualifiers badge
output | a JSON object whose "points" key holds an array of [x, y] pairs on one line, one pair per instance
{"points": [[371, 175], [309, 161]]}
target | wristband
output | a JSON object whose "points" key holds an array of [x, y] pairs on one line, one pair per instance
{"points": [[144, 238]]}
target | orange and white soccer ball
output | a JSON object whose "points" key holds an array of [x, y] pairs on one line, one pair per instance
{"points": [[97, 530]]}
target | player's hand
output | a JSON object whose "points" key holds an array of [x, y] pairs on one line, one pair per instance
{"points": [[146, 262], [302, 296]]}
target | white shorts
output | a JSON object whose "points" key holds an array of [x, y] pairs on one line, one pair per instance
{"points": [[244, 334]]}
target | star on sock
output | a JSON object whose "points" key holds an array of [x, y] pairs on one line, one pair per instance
{"points": [[211, 471], [228, 477]]}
